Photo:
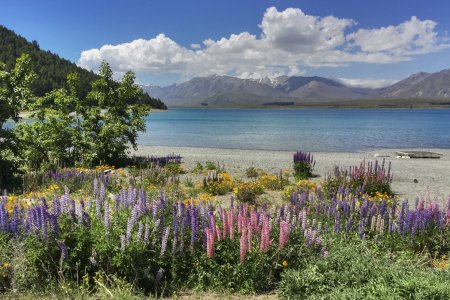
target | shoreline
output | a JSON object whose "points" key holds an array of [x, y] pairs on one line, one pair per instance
{"points": [[433, 175]]}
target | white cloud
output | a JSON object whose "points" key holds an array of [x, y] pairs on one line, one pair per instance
{"points": [[367, 82], [408, 38], [294, 31], [289, 41]]}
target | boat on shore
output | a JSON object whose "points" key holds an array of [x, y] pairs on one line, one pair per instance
{"points": [[418, 154]]}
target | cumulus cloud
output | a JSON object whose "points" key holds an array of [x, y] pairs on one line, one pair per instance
{"points": [[289, 41], [409, 38]]}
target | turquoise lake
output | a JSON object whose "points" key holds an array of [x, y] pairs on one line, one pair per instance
{"points": [[349, 130]]}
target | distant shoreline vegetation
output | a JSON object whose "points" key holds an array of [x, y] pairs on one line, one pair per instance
{"points": [[366, 103]]}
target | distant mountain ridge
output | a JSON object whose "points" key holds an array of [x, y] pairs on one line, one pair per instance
{"points": [[231, 91]]}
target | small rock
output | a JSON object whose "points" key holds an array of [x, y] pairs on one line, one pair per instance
{"points": [[415, 180]]}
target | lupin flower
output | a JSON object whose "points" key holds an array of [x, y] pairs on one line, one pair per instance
{"points": [[106, 217], [243, 245], [218, 233], [209, 243], [284, 233], [231, 223], [249, 239], [194, 227], [63, 248], [337, 222], [225, 225], [146, 234], [140, 232], [164, 239], [265, 235]]}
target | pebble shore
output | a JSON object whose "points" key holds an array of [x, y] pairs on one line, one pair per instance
{"points": [[432, 175]]}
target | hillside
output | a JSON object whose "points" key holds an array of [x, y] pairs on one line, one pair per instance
{"points": [[421, 89], [52, 70]]}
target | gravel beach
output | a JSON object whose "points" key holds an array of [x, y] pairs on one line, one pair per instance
{"points": [[432, 175]]}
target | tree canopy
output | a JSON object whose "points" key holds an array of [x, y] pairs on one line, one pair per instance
{"points": [[70, 128], [15, 95], [51, 69]]}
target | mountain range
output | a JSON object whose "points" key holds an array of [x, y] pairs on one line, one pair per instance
{"points": [[228, 91]]}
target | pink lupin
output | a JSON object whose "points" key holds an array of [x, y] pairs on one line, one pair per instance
{"points": [[239, 223], [224, 224], [249, 239], [209, 243], [218, 233], [243, 245], [253, 219], [231, 223], [265, 233], [213, 226], [284, 233]]}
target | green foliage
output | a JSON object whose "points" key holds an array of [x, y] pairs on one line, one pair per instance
{"points": [[15, 96], [217, 183], [303, 170], [211, 166], [248, 191], [70, 129], [251, 172], [353, 270], [174, 168], [198, 168], [53, 70]]}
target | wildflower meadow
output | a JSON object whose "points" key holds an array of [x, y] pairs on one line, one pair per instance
{"points": [[145, 232]]}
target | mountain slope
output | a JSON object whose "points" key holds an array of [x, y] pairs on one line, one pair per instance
{"points": [[209, 89], [51, 69], [421, 85], [296, 90], [230, 91]]}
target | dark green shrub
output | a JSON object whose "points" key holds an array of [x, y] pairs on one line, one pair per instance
{"points": [[303, 165]]}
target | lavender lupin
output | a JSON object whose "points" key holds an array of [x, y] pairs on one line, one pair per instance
{"points": [[63, 248], [164, 240], [140, 231], [146, 234]]}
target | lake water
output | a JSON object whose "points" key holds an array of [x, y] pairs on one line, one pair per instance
{"points": [[306, 129]]}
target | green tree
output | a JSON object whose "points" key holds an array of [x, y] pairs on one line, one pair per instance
{"points": [[15, 95], [110, 124], [71, 129], [54, 138]]}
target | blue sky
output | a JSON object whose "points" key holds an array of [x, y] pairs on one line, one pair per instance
{"points": [[364, 42]]}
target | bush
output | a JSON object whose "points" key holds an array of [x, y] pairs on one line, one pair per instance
{"points": [[273, 182], [251, 172], [248, 191], [303, 165], [372, 179], [218, 183], [71, 128]]}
